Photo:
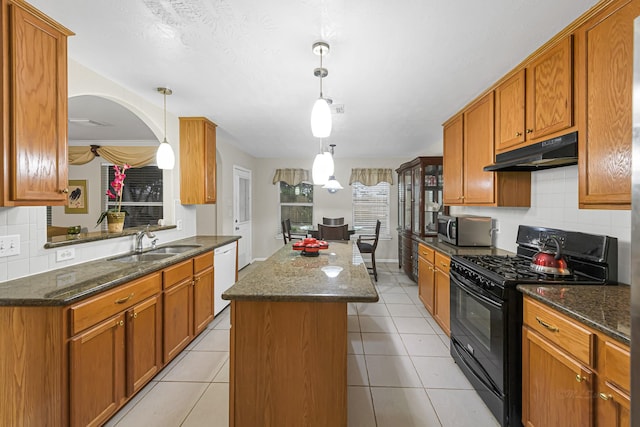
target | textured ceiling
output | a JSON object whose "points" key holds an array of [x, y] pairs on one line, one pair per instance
{"points": [[400, 68]]}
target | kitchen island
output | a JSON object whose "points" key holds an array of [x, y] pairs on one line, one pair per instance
{"points": [[288, 354]]}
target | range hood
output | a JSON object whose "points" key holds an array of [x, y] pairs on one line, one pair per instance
{"points": [[553, 153]]}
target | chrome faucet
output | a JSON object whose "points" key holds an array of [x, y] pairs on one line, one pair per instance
{"points": [[139, 235]]}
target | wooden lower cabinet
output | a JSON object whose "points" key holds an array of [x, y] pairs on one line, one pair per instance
{"points": [[613, 406], [557, 390], [572, 375], [433, 285], [177, 319], [202, 292], [97, 357], [426, 277], [442, 313], [77, 365], [288, 364], [144, 343]]}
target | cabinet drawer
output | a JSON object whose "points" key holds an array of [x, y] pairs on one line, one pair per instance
{"points": [[202, 262], [442, 262], [177, 273], [617, 366], [560, 330], [426, 252], [97, 309]]}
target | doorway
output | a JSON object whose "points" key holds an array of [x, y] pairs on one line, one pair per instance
{"points": [[242, 213]]}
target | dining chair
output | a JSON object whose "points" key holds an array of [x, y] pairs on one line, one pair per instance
{"points": [[367, 244], [288, 234], [332, 221], [333, 232]]}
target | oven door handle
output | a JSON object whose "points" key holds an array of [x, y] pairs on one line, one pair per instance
{"points": [[459, 281]]}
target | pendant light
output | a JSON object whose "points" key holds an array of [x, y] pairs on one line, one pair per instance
{"points": [[321, 113], [332, 184], [322, 167], [165, 159]]}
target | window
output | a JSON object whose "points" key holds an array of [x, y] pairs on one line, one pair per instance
{"points": [[371, 203], [141, 196], [296, 203]]}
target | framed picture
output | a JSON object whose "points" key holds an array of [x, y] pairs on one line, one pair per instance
{"points": [[77, 197]]}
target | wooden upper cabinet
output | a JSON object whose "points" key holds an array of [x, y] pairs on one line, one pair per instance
{"points": [[605, 77], [478, 152], [468, 147], [536, 101], [510, 125], [197, 161], [34, 126], [549, 92], [452, 172]]}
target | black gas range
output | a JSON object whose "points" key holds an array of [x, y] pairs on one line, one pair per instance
{"points": [[486, 308]]}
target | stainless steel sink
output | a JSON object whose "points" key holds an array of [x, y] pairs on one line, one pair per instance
{"points": [[173, 249], [147, 256]]}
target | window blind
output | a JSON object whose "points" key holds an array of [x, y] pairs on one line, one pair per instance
{"points": [[371, 203], [142, 195]]}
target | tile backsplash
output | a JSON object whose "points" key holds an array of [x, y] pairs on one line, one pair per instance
{"points": [[554, 204], [31, 224]]}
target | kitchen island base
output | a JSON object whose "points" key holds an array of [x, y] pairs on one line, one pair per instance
{"points": [[288, 364]]}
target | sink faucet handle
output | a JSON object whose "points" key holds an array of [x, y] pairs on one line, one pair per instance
{"points": [[153, 243]]}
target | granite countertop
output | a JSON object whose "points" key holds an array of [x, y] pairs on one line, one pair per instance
{"points": [[70, 284], [604, 308], [452, 250], [289, 276]]}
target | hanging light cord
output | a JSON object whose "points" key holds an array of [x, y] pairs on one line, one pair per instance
{"points": [[165, 115], [321, 71]]}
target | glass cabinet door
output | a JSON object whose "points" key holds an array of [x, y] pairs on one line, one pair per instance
{"points": [[432, 198], [415, 201], [407, 200]]}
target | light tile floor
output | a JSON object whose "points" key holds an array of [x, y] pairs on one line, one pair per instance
{"points": [[400, 373]]}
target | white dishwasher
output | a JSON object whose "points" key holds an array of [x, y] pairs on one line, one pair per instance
{"points": [[224, 263]]}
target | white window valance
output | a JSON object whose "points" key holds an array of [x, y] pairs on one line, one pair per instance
{"points": [[291, 176], [136, 157], [371, 176]]}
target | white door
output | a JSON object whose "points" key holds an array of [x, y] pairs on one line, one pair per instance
{"points": [[242, 213]]}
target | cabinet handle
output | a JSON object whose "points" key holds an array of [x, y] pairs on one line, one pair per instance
{"points": [[134, 315], [443, 264], [64, 191], [518, 134], [121, 323], [548, 326], [580, 378], [529, 130], [605, 396], [125, 299]]}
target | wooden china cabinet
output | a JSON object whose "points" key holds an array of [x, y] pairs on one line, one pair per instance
{"points": [[419, 202]]}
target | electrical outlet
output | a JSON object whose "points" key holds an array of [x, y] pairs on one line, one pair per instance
{"points": [[65, 254], [179, 224], [10, 245]]}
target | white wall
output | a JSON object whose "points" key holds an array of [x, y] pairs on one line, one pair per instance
{"points": [[265, 206], [30, 222], [554, 204], [218, 219]]}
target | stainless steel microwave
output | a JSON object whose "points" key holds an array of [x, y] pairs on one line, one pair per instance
{"points": [[465, 230]]}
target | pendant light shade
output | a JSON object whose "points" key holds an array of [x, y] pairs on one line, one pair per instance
{"points": [[165, 158], [322, 168], [333, 185], [321, 119]]}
